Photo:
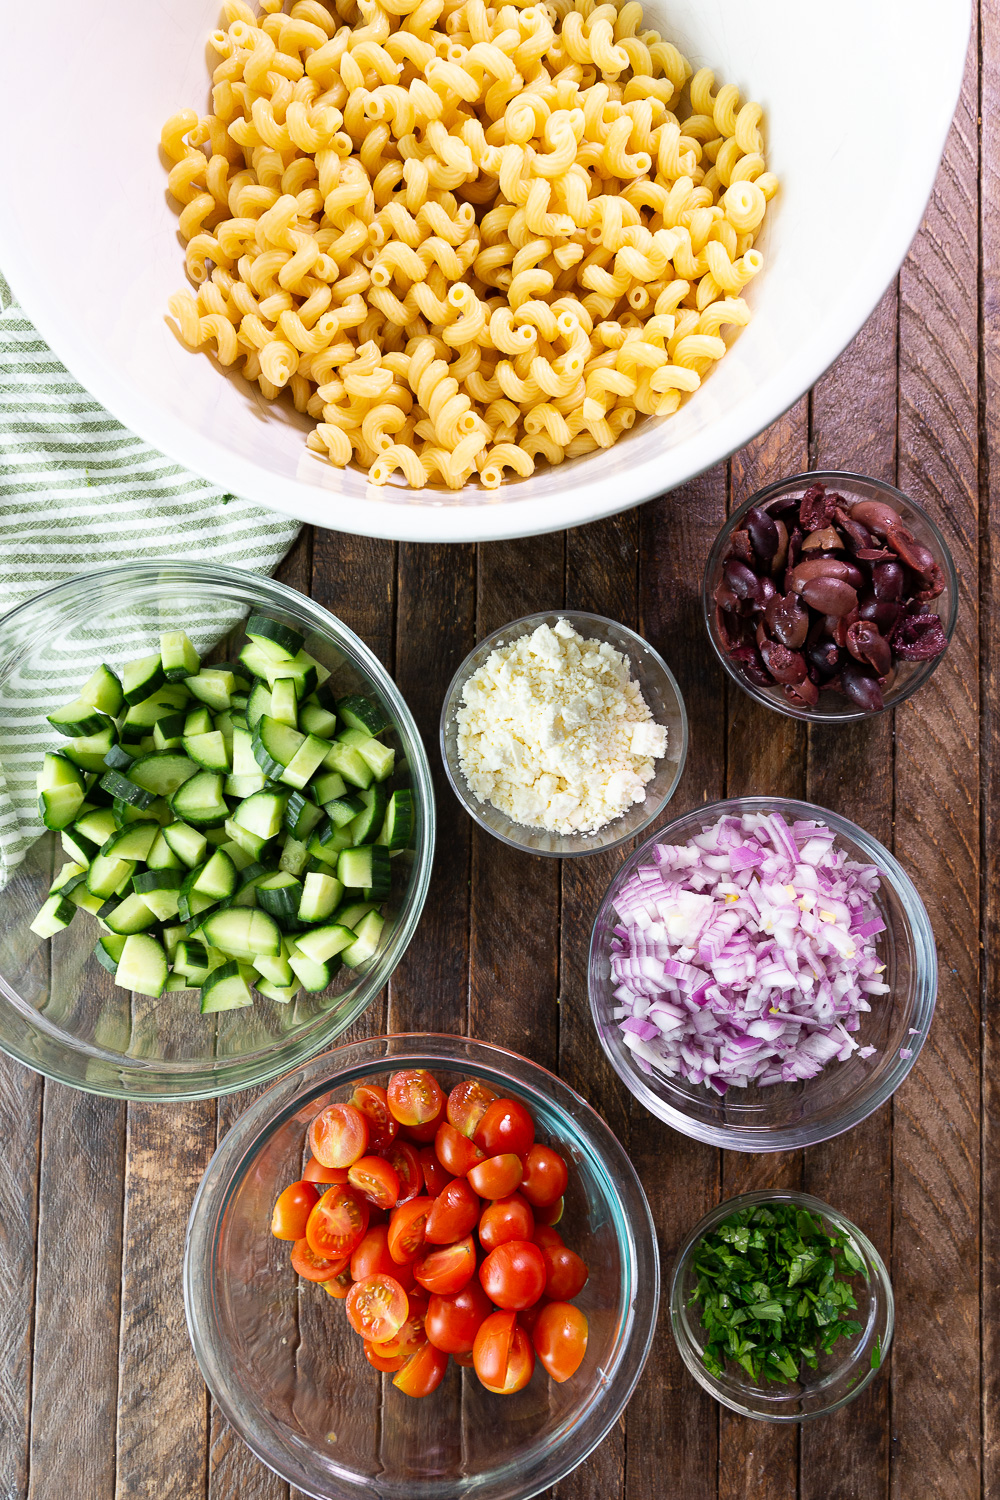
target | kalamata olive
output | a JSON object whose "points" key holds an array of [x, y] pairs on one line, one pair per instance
{"points": [[740, 579], [857, 535], [825, 567], [803, 694], [932, 584], [832, 595], [795, 537], [826, 540], [741, 547], [872, 555], [766, 591], [860, 685], [875, 514], [881, 612], [918, 637], [727, 628], [781, 555], [836, 628], [887, 581], [787, 508], [866, 644], [783, 665], [787, 620], [906, 547], [747, 659], [824, 656], [763, 534], [816, 507]]}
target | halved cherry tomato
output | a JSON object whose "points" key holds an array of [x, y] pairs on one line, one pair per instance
{"points": [[435, 1176], [339, 1135], [467, 1103], [315, 1267], [565, 1273], [513, 1275], [465, 1360], [316, 1172], [551, 1214], [382, 1126], [407, 1227], [422, 1135], [371, 1257], [339, 1286], [453, 1322], [506, 1219], [506, 1126], [294, 1205], [449, 1269], [496, 1177], [454, 1151], [502, 1354], [456, 1211], [414, 1097], [545, 1176], [375, 1180], [377, 1308], [404, 1161], [423, 1372], [337, 1223], [560, 1339], [413, 1335], [545, 1235], [382, 1362]]}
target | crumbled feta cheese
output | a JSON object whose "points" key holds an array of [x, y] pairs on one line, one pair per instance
{"points": [[553, 732]]}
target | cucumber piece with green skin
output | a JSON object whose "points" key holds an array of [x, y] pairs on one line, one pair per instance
{"points": [[354, 913], [117, 758], [163, 741], [142, 966], [85, 900], [305, 762], [350, 764], [243, 930], [367, 825], [242, 787], [162, 772], [59, 807], [213, 686], [258, 705], [342, 811], [208, 751], [187, 843], [108, 950], [273, 637], [134, 841], [261, 814], [124, 812], [244, 760], [58, 772], [78, 848], [381, 758], [358, 712], [327, 842], [284, 703], [193, 904], [200, 801], [318, 721], [191, 957], [171, 726], [275, 745], [161, 856], [178, 655], [301, 816], [294, 856], [283, 994], [225, 989], [250, 843], [366, 868], [353, 737], [131, 915], [279, 894], [163, 904], [275, 968], [239, 856], [56, 912], [171, 937], [217, 878], [328, 787], [321, 894], [88, 751], [78, 718], [144, 881], [140, 679], [198, 721], [398, 826], [312, 976], [176, 983], [124, 789], [103, 691], [366, 941], [324, 943], [69, 877]]}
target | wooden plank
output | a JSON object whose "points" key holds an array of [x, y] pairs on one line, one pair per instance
{"points": [[355, 578], [20, 1128], [936, 1362], [850, 771], [677, 1455]]}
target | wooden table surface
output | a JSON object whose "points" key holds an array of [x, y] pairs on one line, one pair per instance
{"points": [[100, 1397]]}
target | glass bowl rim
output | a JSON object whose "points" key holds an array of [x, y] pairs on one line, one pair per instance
{"points": [[453, 772], [679, 1321], [780, 1137], [149, 574], [764, 496], [235, 1154]]}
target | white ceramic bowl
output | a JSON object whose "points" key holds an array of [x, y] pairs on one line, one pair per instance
{"points": [[89, 242]]}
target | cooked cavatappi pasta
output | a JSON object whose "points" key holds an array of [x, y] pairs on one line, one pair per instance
{"points": [[465, 239]]}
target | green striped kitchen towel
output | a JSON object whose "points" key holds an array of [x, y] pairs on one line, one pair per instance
{"points": [[78, 490]]}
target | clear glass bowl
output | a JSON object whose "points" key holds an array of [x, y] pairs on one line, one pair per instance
{"points": [[786, 1116], [841, 1374], [289, 1373], [660, 690], [832, 708], [60, 1012]]}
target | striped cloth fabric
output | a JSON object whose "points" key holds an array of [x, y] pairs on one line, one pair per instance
{"points": [[78, 490]]}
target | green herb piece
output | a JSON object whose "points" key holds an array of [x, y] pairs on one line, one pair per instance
{"points": [[774, 1291]]}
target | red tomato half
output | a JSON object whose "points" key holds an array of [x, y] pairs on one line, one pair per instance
{"points": [[414, 1097], [294, 1205], [497, 1176], [544, 1236], [315, 1267], [506, 1219], [560, 1339], [435, 1176], [371, 1257], [375, 1180], [502, 1354], [413, 1335], [513, 1275], [545, 1176], [453, 1322], [339, 1286], [529, 1316], [382, 1362], [316, 1172], [423, 1372], [372, 1103], [551, 1214], [337, 1223], [565, 1273], [455, 1152], [407, 1228], [465, 1360], [338, 1135], [449, 1269], [467, 1103], [506, 1126], [404, 1161], [377, 1308], [456, 1211]]}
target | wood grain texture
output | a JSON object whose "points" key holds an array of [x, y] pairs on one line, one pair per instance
{"points": [[20, 1130]]}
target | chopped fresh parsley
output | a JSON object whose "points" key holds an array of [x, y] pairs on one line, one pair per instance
{"points": [[774, 1291]]}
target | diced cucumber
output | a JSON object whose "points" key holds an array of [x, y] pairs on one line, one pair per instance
{"points": [[328, 787], [118, 758], [178, 656], [134, 841], [225, 989], [69, 877], [242, 787], [77, 718], [306, 760], [279, 894], [316, 720], [88, 751], [200, 801], [108, 950], [213, 686], [97, 826], [350, 764], [250, 843], [398, 826], [276, 968], [144, 881], [324, 943], [140, 679], [198, 721], [85, 900], [283, 994], [163, 739], [103, 691], [258, 704], [217, 878], [207, 750], [320, 897], [124, 789], [190, 902], [132, 914], [301, 816], [342, 811], [284, 703], [366, 827], [161, 856], [273, 638], [326, 842], [239, 856], [380, 757], [106, 877], [171, 937], [275, 745], [367, 934], [238, 930], [294, 856], [143, 965], [244, 760], [186, 842], [358, 712], [58, 807], [311, 975], [261, 814], [366, 868], [162, 772], [352, 914], [56, 912], [302, 668]]}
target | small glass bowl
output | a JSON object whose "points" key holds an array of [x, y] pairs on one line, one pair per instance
{"points": [[788, 1116], [60, 1012], [832, 708], [290, 1374], [840, 1376], [659, 689]]}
